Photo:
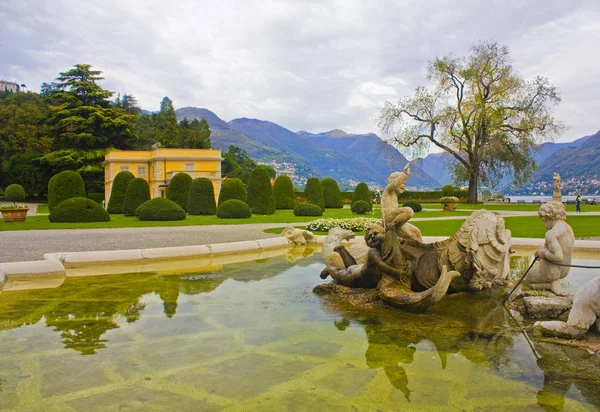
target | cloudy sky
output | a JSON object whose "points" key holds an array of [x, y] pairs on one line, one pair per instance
{"points": [[305, 65]]}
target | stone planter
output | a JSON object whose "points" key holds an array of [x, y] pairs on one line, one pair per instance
{"points": [[14, 215], [449, 206]]}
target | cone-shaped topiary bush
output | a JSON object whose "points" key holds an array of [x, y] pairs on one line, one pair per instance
{"points": [[360, 207], [78, 209], [260, 192], [137, 193], [201, 200], [160, 209], [63, 186], [179, 189], [314, 192], [233, 208], [308, 209], [362, 192], [283, 191], [232, 188], [117, 194], [14, 193], [332, 198]]}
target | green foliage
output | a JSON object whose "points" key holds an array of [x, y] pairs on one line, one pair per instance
{"points": [[201, 200], [160, 209], [179, 189], [88, 163], [314, 192], [332, 198], [63, 186], [415, 206], [447, 190], [96, 197], [167, 131], [360, 207], [117, 194], [260, 193], [78, 209], [29, 171], [233, 209], [14, 193], [232, 188], [1, 192], [194, 134], [270, 171], [362, 193], [236, 163], [137, 193], [283, 190], [308, 209], [431, 195]]}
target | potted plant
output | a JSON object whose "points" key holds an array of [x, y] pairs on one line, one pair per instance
{"points": [[449, 202], [14, 212]]}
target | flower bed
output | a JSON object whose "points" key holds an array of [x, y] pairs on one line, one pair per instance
{"points": [[356, 225]]}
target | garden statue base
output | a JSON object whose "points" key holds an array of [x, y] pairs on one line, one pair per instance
{"points": [[540, 305]]}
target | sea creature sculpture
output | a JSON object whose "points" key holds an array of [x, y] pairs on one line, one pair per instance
{"points": [[298, 236], [335, 237]]}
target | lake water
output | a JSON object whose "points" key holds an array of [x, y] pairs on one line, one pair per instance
{"points": [[530, 199]]}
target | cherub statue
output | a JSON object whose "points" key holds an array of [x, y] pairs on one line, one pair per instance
{"points": [[558, 248], [556, 195], [390, 211]]}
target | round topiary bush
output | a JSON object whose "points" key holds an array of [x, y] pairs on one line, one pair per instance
{"points": [[233, 209], [308, 209], [14, 193], [201, 200], [447, 190], [260, 192], [117, 193], [332, 198], [63, 186], [78, 209], [160, 209], [179, 189], [137, 193], [314, 192], [360, 207], [283, 191], [415, 206], [362, 193], [232, 188]]}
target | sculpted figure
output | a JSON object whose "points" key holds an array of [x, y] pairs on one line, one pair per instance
{"points": [[389, 205], [556, 195], [298, 236], [558, 248], [584, 314], [334, 238]]}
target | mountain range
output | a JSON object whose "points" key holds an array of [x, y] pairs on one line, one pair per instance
{"points": [[352, 158]]}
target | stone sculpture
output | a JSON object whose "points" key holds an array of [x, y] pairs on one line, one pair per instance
{"points": [[390, 210], [556, 194], [335, 237], [584, 314], [298, 236]]}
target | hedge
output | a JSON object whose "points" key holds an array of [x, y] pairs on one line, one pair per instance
{"points": [[201, 200], [260, 192], [160, 209], [232, 188], [14, 193], [308, 209], [314, 192], [332, 198], [179, 189], [78, 209], [233, 208], [283, 191], [137, 193], [360, 207], [96, 197], [362, 192], [1, 192], [63, 186], [117, 193], [415, 206]]}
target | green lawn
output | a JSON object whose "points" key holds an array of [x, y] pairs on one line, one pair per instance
{"points": [[42, 208]]}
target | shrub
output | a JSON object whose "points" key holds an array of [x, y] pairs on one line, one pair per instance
{"points": [[362, 193], [160, 208], [447, 190], [117, 193], [232, 188], [271, 172], [78, 209], [360, 207], [233, 208], [137, 193], [283, 191], [260, 192], [63, 186], [314, 193], [308, 209], [201, 200], [179, 189], [449, 199], [415, 206], [1, 192], [14, 193], [96, 197], [356, 224], [332, 198]]}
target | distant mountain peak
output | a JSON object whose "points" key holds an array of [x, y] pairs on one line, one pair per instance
{"points": [[335, 133]]}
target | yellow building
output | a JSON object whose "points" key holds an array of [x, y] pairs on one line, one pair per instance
{"points": [[158, 166]]}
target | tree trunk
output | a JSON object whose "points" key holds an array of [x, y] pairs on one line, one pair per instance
{"points": [[473, 180]]}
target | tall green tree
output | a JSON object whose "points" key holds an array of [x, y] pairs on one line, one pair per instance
{"points": [[236, 163], [481, 111], [167, 130]]}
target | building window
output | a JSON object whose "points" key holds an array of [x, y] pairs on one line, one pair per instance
{"points": [[189, 167], [124, 169], [141, 170]]}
